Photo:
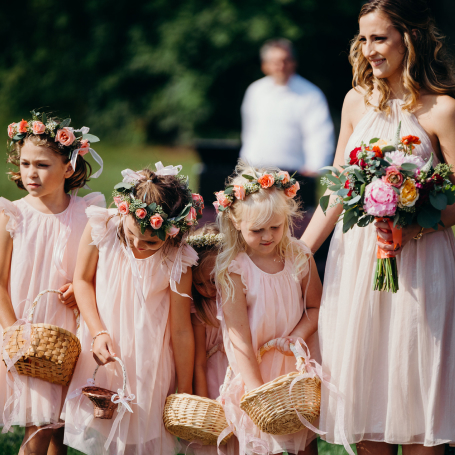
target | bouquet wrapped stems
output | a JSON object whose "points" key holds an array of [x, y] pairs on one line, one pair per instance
{"points": [[386, 273]]}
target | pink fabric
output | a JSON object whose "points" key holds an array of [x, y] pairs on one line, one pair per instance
{"points": [[275, 306], [33, 269], [390, 355], [141, 338]]}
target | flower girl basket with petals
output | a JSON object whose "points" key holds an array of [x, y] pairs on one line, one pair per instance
{"points": [[41, 350], [195, 418], [272, 407]]}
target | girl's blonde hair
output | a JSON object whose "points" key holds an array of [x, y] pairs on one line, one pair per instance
{"points": [[258, 208], [426, 63]]}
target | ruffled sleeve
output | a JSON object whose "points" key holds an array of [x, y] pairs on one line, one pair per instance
{"points": [[189, 258], [98, 218], [300, 259], [10, 210], [96, 198], [239, 267]]}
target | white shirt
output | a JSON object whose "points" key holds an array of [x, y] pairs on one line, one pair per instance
{"points": [[288, 126]]}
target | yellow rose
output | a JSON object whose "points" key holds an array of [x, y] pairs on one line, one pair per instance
{"points": [[408, 194], [381, 143]]}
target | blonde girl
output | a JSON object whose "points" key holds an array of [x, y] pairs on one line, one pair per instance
{"points": [[269, 289]]}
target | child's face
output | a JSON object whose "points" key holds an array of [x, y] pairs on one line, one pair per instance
{"points": [[202, 279], [263, 239], [141, 242], [42, 170]]}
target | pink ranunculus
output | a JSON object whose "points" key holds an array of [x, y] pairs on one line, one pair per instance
{"points": [[84, 147], [222, 199], [239, 192], [123, 208], [292, 190], [216, 204], [11, 129], [141, 213], [39, 127], [117, 200], [191, 217], [286, 177], [156, 221], [380, 199], [65, 136], [198, 199], [393, 177], [173, 231], [266, 181]]}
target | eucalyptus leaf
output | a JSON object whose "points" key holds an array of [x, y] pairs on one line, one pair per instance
{"points": [[91, 137], [438, 200], [19, 136], [248, 177], [428, 217], [354, 200], [142, 229], [450, 195], [229, 190], [408, 166], [362, 189], [365, 220], [396, 218], [161, 234], [44, 118], [343, 192], [374, 140], [324, 202], [388, 149], [335, 187], [349, 224], [152, 206], [384, 163], [123, 185], [332, 178], [330, 168], [359, 176], [397, 190], [65, 123]]}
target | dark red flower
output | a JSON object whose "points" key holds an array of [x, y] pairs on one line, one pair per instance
{"points": [[347, 185], [438, 180]]}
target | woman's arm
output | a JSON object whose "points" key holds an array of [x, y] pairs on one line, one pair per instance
{"points": [[84, 290], [182, 336], [7, 315], [238, 326], [200, 359]]}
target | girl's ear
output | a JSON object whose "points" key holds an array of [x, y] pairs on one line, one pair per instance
{"points": [[69, 171]]}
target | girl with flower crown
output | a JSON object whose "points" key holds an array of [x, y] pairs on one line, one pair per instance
{"points": [[133, 284], [269, 289], [39, 235]]}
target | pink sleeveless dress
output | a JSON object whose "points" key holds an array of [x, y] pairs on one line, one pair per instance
{"points": [[275, 306], [391, 355], [141, 338], [36, 237]]}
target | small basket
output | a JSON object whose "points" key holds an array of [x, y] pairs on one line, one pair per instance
{"points": [[53, 351], [270, 406], [102, 398], [193, 418]]}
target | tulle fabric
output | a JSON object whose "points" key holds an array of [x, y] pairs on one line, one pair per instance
{"points": [[141, 338], [391, 355], [275, 305], [33, 269]]}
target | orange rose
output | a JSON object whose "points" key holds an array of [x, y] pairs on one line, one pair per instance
{"points": [[22, 127], [408, 140], [292, 190], [377, 152], [286, 177], [266, 181], [65, 136]]}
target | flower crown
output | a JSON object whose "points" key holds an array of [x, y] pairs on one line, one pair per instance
{"points": [[281, 180], [75, 142], [199, 241], [152, 215]]}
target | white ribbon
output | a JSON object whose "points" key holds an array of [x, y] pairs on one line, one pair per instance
{"points": [[123, 406], [129, 176], [95, 156], [168, 170]]}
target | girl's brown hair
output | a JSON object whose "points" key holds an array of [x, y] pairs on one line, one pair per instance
{"points": [[203, 309], [426, 62], [80, 176]]}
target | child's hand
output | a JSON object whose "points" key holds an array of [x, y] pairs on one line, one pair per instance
{"points": [[68, 297], [103, 350], [282, 345]]}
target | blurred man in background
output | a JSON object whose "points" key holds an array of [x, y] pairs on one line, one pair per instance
{"points": [[286, 120]]}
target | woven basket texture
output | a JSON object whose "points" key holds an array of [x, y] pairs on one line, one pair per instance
{"points": [[101, 398]]}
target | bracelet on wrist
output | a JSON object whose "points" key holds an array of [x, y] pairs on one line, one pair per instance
{"points": [[95, 337], [419, 235]]}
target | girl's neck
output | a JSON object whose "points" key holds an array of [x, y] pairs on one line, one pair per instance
{"points": [[50, 204], [270, 263]]}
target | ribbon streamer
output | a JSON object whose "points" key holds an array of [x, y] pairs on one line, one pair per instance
{"points": [[129, 176], [168, 170], [122, 400], [95, 156]]}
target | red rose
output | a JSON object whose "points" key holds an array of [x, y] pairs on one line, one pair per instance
{"points": [[353, 156], [347, 186]]}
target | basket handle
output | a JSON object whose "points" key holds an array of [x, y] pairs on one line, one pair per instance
{"points": [[218, 347], [123, 370], [271, 345]]}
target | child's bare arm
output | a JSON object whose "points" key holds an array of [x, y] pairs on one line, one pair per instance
{"points": [[200, 359], [7, 315]]}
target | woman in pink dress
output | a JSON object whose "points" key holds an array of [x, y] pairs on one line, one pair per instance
{"points": [[392, 356], [39, 236], [133, 281], [269, 289]]}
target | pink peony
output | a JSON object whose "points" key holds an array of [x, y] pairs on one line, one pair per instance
{"points": [[191, 217], [292, 190], [216, 204], [398, 158], [11, 129], [380, 199], [173, 231], [156, 221], [65, 136], [123, 208], [286, 177], [117, 200], [222, 199], [84, 147], [239, 192], [393, 176], [266, 181], [140, 213], [39, 127]]}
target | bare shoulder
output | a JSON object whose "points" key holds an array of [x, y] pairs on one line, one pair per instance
{"points": [[354, 106], [437, 110]]}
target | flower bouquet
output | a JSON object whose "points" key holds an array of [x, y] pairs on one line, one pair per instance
{"points": [[385, 180]]}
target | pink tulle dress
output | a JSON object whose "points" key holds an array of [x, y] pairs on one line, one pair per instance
{"points": [[44, 257], [392, 356], [141, 337], [275, 306]]}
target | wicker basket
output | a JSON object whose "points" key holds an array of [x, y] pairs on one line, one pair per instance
{"points": [[270, 406], [102, 398], [53, 351], [196, 418]]}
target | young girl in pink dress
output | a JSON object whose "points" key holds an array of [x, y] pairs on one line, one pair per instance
{"points": [[269, 289], [133, 284], [39, 235]]}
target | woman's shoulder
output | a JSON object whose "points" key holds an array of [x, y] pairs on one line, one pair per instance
{"points": [[354, 105], [436, 113]]}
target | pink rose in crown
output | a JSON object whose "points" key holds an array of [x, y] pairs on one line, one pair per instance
{"points": [[216, 204], [39, 127], [222, 199], [65, 136], [191, 217], [239, 192], [173, 231], [11, 129], [286, 177], [123, 208], [117, 200], [292, 190], [84, 147], [380, 199], [266, 181], [141, 213], [393, 177], [22, 127], [197, 198], [156, 221]]}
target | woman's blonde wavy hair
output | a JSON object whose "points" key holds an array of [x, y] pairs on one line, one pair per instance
{"points": [[258, 208], [426, 62]]}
